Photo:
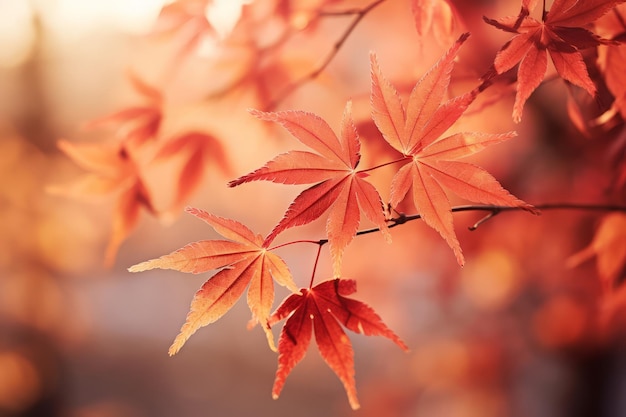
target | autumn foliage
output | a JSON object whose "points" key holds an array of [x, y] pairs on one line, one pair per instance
{"points": [[409, 128]]}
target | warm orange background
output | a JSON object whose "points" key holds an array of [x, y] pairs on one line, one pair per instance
{"points": [[514, 333]]}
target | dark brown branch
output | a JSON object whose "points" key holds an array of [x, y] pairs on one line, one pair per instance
{"points": [[359, 14], [493, 211], [484, 219]]}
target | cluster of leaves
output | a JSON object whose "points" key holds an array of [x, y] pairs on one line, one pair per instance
{"points": [[339, 190], [116, 166]]}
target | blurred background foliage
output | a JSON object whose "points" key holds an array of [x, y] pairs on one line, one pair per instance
{"points": [[515, 333]]}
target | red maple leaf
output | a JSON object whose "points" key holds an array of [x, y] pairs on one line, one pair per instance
{"points": [[322, 309], [559, 33], [111, 170], [339, 187], [243, 261], [415, 132]]}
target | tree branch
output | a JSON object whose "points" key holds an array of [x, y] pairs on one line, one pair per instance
{"points": [[359, 15], [493, 211]]}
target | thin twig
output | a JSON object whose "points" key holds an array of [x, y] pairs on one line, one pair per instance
{"points": [[494, 210], [359, 15], [484, 219]]}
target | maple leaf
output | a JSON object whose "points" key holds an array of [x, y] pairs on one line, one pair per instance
{"points": [[321, 310], [186, 20], [559, 33], [609, 248], [137, 124], [435, 16], [112, 170], [198, 149], [339, 187], [243, 261], [415, 132], [612, 58]]}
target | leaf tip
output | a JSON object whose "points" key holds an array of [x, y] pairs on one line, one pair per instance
{"points": [[354, 402], [234, 183], [259, 114], [140, 267], [463, 37], [532, 209], [268, 334], [175, 347], [386, 235]]}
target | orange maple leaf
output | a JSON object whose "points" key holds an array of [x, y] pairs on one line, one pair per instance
{"points": [[438, 17], [609, 248], [112, 170], [243, 261], [612, 58], [339, 187], [197, 149], [431, 161], [559, 33], [322, 309], [136, 124], [187, 22]]}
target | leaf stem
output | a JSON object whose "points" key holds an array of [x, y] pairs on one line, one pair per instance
{"points": [[317, 258], [359, 15], [385, 164], [293, 242]]}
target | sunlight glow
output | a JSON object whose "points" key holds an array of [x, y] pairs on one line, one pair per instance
{"points": [[224, 15], [17, 32], [72, 18]]}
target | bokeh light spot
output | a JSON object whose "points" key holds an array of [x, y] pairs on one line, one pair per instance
{"points": [[20, 384], [490, 281]]}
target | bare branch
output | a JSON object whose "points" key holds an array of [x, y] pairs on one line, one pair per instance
{"points": [[493, 211], [359, 14]]}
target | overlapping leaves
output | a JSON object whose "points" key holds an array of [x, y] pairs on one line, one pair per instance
{"points": [[415, 132], [245, 261], [561, 33], [111, 170], [339, 188]]}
